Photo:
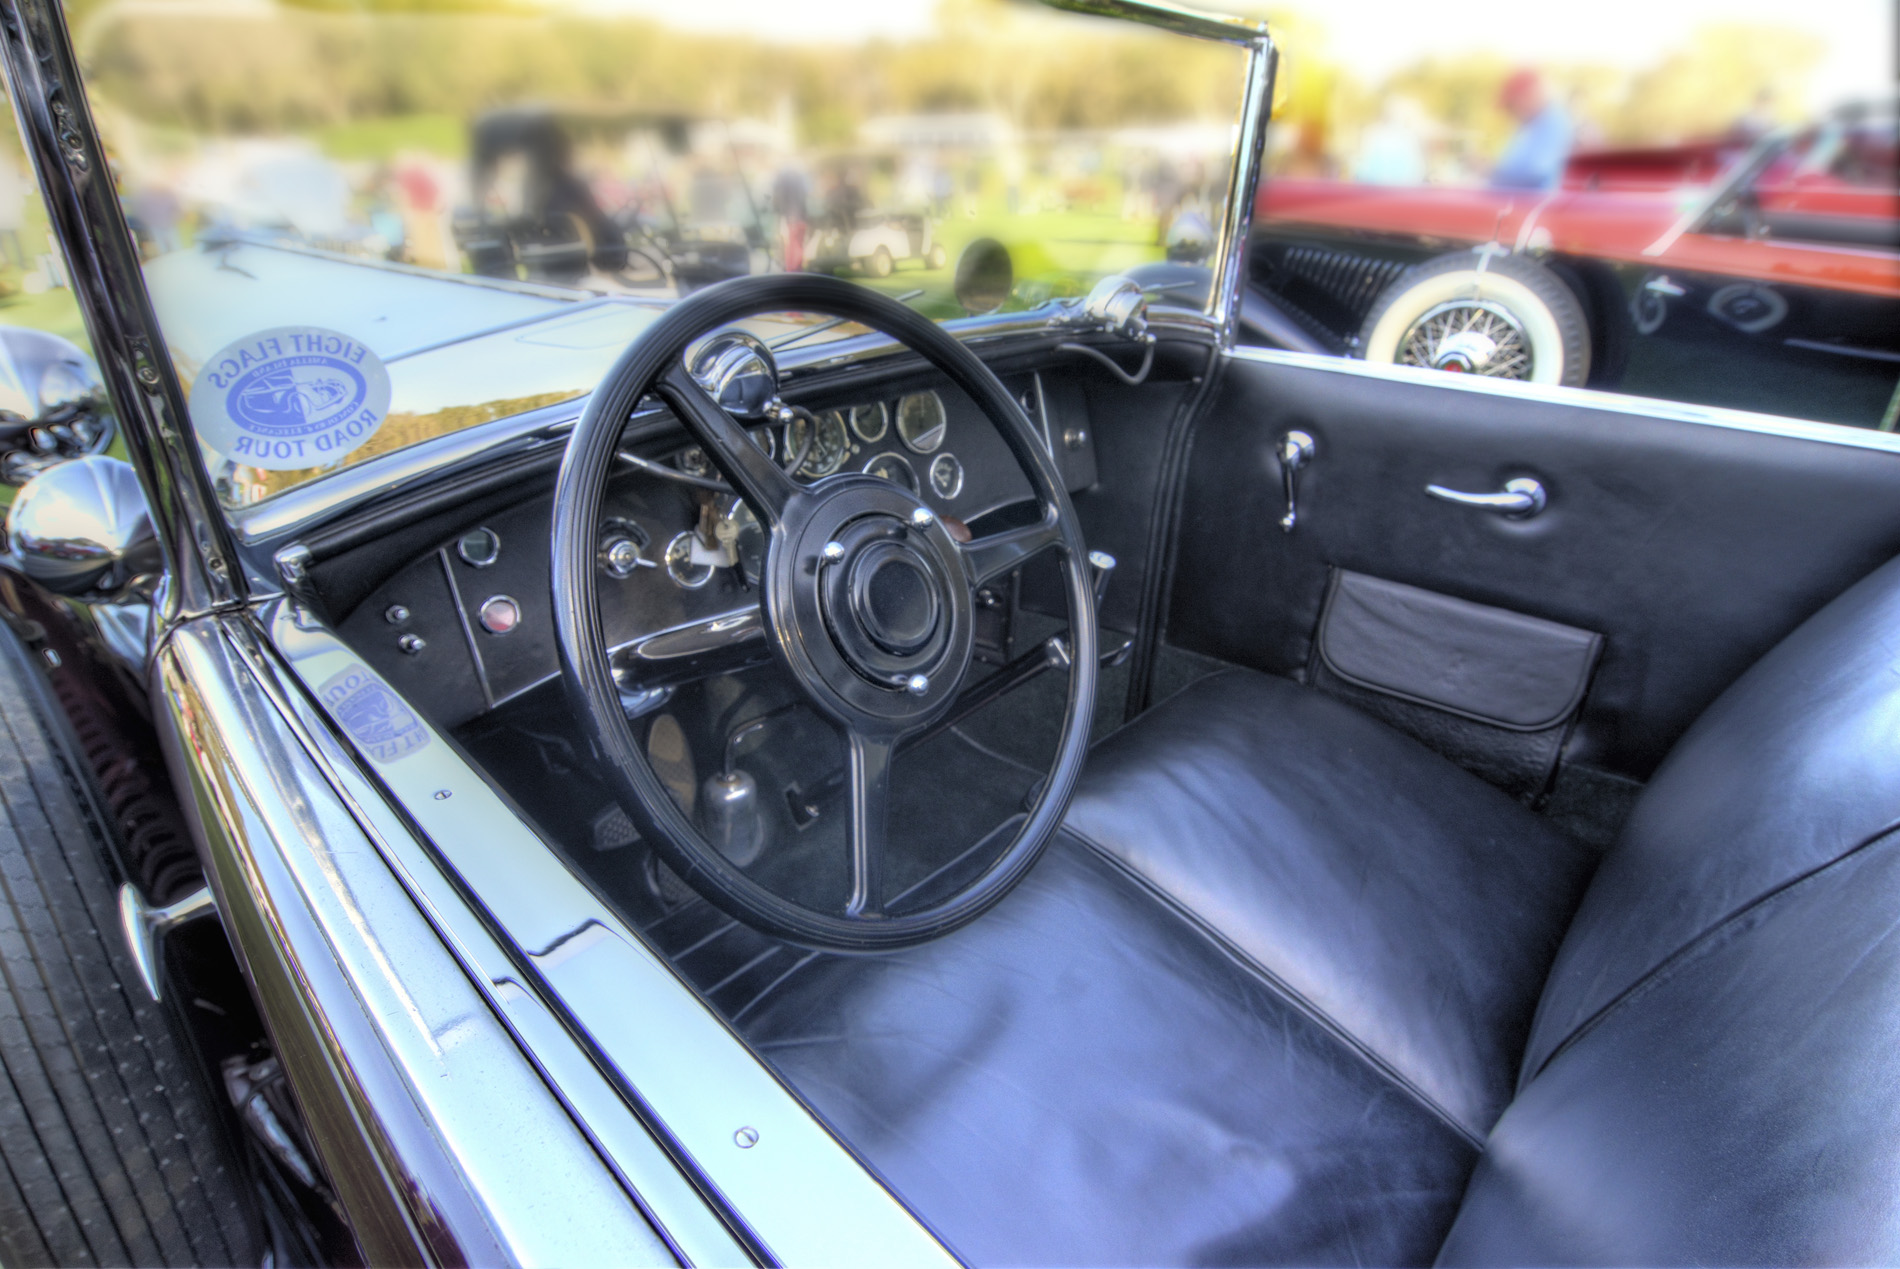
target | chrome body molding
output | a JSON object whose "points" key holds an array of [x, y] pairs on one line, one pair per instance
{"points": [[1584, 398], [561, 965], [445, 1144]]}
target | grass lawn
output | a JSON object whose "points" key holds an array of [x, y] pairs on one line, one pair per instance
{"points": [[1055, 254]]}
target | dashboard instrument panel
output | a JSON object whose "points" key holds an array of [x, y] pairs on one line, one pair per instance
{"points": [[677, 557]]}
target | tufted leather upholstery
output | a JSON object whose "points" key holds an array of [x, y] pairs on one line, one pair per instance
{"points": [[1266, 998]]}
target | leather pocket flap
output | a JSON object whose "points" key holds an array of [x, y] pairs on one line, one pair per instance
{"points": [[1491, 664]]}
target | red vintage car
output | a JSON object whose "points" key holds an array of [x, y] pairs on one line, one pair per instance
{"points": [[1761, 276]]}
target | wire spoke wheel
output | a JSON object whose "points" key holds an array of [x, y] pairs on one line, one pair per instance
{"points": [[1469, 337]]}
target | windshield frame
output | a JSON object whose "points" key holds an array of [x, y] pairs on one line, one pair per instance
{"points": [[205, 570]]}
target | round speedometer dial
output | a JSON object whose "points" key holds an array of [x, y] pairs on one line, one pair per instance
{"points": [[921, 422], [893, 468], [830, 446], [946, 476], [870, 422]]}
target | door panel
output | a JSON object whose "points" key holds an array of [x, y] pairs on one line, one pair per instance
{"points": [[1691, 547]]}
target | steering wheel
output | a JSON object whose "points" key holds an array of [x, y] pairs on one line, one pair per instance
{"points": [[867, 603]]}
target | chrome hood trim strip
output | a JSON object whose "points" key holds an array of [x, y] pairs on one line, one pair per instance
{"points": [[801, 1195], [444, 1142]]}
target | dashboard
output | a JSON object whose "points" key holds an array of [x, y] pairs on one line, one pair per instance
{"points": [[465, 625]]}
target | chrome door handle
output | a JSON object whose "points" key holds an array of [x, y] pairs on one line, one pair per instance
{"points": [[1522, 498], [1295, 451]]}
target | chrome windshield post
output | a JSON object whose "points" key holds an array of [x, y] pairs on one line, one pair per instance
{"points": [[1250, 142], [1250, 146], [202, 568]]}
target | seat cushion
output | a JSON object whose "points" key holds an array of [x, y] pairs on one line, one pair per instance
{"points": [[1791, 768], [1407, 904], [1741, 1107], [1083, 1077]]}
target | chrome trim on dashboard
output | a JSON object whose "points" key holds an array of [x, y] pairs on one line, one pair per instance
{"points": [[796, 1194], [443, 1141], [1585, 398], [296, 509]]}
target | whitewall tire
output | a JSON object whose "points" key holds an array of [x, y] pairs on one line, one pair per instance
{"points": [[1489, 314]]}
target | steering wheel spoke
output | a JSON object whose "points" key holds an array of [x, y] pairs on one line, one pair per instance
{"points": [[869, 781], [990, 557], [761, 482]]}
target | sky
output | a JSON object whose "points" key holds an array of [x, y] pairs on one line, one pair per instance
{"points": [[1374, 37]]}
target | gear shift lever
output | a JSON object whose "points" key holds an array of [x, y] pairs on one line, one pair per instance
{"points": [[1101, 564]]}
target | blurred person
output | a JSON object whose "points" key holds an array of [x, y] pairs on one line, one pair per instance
{"points": [[419, 200], [1535, 156], [1307, 159], [1586, 133], [790, 193], [13, 190], [155, 210], [1392, 151], [1168, 191], [382, 207], [1757, 121], [845, 200]]}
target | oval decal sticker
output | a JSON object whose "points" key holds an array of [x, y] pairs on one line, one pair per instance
{"points": [[374, 716], [289, 398]]}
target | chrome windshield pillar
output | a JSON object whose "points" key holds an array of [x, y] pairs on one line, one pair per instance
{"points": [[82, 202], [1231, 261], [1251, 127]]}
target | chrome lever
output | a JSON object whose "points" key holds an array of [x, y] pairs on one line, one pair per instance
{"points": [[1521, 499], [1295, 452]]}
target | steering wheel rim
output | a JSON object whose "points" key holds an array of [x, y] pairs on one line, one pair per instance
{"points": [[802, 624]]}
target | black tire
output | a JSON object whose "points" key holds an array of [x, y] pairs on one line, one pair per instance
{"points": [[1550, 322], [112, 1151]]}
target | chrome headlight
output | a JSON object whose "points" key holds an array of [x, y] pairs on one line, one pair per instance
{"points": [[65, 385]]}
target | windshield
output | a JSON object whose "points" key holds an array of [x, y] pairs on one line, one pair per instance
{"points": [[367, 229]]}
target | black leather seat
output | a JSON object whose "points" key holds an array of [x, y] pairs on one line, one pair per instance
{"points": [[1270, 999]]}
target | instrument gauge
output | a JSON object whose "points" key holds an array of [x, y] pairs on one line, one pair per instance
{"points": [[946, 476], [894, 468], [921, 422], [871, 421], [830, 445], [686, 571]]}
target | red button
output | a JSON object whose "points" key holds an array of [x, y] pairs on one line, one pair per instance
{"points": [[500, 615]]}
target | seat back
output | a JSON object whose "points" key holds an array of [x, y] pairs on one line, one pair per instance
{"points": [[1714, 1073]]}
